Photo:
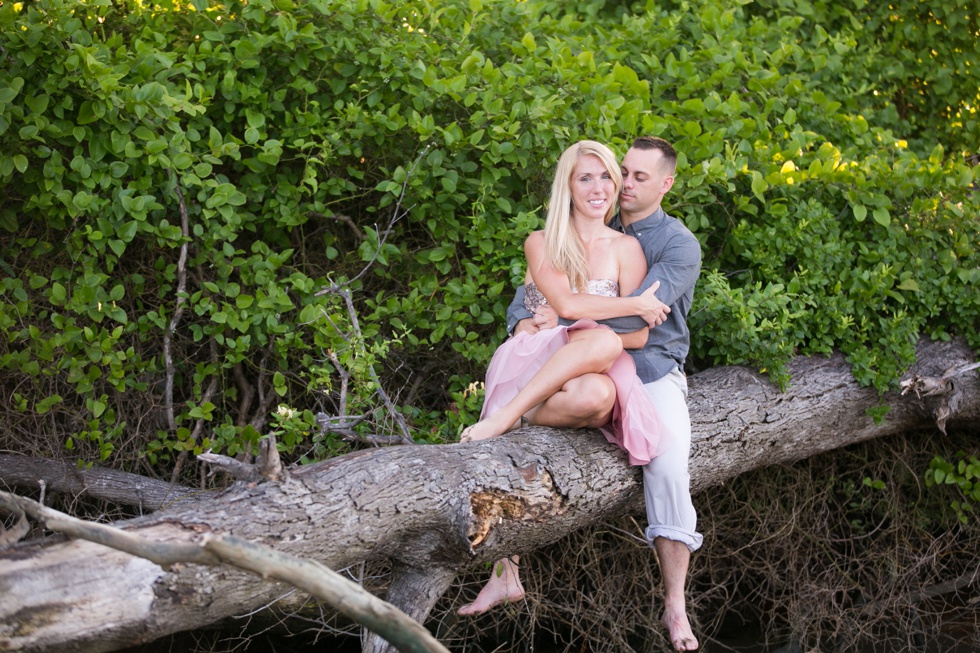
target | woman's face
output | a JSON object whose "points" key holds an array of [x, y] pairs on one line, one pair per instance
{"points": [[593, 189]]}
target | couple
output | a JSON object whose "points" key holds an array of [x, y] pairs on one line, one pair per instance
{"points": [[579, 377]]}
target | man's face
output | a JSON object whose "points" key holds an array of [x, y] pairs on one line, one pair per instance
{"points": [[646, 179]]}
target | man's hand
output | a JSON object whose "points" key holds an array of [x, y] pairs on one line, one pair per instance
{"points": [[652, 309]]}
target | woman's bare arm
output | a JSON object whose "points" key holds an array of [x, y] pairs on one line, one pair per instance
{"points": [[574, 306]]}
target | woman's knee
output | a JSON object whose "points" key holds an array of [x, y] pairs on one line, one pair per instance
{"points": [[604, 345], [594, 395]]}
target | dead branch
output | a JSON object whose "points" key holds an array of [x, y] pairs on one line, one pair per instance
{"points": [[346, 597], [208, 395], [247, 392], [235, 468], [266, 395], [112, 485], [942, 387], [178, 311], [346, 219]]}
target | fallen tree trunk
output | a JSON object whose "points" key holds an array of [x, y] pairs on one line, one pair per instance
{"points": [[434, 510]]}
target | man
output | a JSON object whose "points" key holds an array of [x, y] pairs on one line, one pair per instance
{"points": [[674, 262]]}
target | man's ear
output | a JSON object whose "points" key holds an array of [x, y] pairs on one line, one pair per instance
{"points": [[668, 184]]}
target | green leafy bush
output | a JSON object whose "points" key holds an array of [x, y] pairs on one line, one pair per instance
{"points": [[180, 180], [964, 475]]}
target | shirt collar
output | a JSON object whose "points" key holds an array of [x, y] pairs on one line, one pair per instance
{"points": [[648, 222]]}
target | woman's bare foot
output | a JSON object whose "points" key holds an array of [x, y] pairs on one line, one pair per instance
{"points": [[504, 586], [487, 428], [681, 635]]}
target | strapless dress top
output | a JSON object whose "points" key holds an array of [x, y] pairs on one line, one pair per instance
{"points": [[605, 287]]}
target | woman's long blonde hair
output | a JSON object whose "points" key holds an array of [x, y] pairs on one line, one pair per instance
{"points": [[563, 247]]}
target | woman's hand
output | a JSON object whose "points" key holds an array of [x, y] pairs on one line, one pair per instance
{"points": [[545, 317]]}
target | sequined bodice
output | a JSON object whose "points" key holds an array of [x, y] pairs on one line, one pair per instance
{"points": [[605, 287]]}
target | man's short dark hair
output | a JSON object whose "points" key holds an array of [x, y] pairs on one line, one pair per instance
{"points": [[655, 143]]}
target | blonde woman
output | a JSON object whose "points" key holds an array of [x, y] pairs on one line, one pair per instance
{"points": [[577, 376]]}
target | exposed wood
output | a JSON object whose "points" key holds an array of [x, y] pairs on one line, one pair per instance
{"points": [[433, 510]]}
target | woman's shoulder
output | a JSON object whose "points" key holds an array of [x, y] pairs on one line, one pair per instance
{"points": [[534, 239]]}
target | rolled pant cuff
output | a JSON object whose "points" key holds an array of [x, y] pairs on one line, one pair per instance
{"points": [[691, 540]]}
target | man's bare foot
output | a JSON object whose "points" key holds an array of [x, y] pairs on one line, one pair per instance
{"points": [[681, 635], [504, 586]]}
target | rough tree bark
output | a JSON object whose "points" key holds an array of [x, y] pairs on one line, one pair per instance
{"points": [[111, 485], [435, 510]]}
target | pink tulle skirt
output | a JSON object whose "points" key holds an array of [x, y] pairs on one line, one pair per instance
{"points": [[635, 425]]}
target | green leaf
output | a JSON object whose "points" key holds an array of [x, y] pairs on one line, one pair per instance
{"points": [[86, 113], [881, 216], [47, 404], [12, 88], [860, 212], [127, 230], [58, 294], [183, 160], [965, 176], [38, 104], [255, 119], [156, 146], [82, 200]]}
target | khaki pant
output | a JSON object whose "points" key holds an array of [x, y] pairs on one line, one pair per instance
{"points": [[666, 481]]}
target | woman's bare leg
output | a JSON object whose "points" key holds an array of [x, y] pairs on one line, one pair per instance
{"points": [[504, 586], [588, 351], [583, 402], [568, 392]]}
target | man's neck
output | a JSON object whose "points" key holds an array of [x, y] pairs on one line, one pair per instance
{"points": [[629, 218]]}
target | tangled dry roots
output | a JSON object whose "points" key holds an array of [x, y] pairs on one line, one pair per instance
{"points": [[809, 556]]}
